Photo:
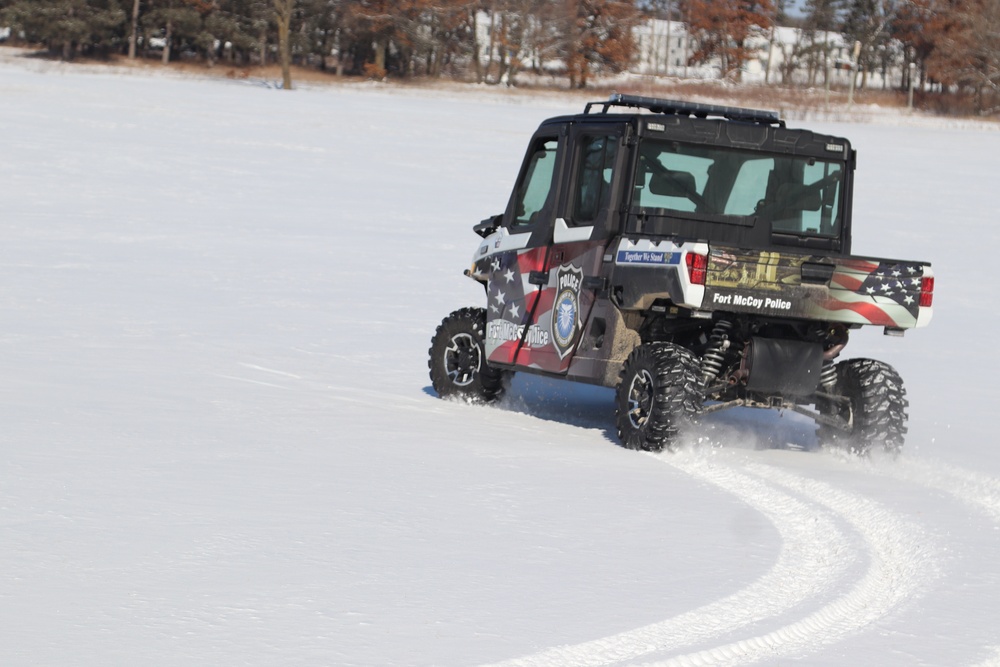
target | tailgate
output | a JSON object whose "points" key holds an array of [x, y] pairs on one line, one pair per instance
{"points": [[853, 290]]}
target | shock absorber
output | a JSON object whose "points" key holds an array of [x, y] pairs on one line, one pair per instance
{"points": [[715, 354], [828, 375], [837, 337]]}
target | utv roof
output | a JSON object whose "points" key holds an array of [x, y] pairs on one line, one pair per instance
{"points": [[691, 109]]}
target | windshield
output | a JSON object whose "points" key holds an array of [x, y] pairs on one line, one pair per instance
{"points": [[796, 195]]}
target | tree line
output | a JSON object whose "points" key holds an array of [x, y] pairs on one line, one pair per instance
{"points": [[953, 45]]}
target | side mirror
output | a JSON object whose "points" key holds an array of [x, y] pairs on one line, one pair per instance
{"points": [[488, 226]]}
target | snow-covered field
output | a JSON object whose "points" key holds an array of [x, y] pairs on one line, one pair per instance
{"points": [[219, 445]]}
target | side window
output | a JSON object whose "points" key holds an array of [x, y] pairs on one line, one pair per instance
{"points": [[812, 206], [533, 191], [593, 177], [826, 179], [750, 187]]}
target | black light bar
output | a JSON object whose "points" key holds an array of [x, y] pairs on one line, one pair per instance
{"points": [[679, 108]]}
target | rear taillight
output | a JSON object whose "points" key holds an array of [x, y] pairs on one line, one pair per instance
{"points": [[697, 268], [926, 292]]}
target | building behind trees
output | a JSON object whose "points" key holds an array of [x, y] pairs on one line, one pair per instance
{"points": [[949, 48]]}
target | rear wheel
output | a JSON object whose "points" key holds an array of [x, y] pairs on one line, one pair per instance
{"points": [[457, 362], [660, 392], [874, 409]]}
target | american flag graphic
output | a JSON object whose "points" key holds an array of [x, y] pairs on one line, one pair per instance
{"points": [[518, 310], [884, 293], [511, 302]]}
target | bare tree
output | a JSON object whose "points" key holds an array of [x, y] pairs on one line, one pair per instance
{"points": [[723, 28], [283, 10], [967, 51], [597, 37], [822, 17], [133, 35]]}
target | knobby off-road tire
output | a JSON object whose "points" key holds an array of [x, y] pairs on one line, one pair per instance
{"points": [[659, 394], [458, 359], [876, 408]]}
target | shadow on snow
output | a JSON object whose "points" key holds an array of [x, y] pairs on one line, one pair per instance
{"points": [[593, 407]]}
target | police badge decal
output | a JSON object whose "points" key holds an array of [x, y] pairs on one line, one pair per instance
{"points": [[566, 309]]}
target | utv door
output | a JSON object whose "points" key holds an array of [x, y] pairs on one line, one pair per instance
{"points": [[522, 247], [558, 269]]}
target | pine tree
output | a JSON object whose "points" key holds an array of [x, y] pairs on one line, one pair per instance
{"points": [[69, 27], [868, 23]]}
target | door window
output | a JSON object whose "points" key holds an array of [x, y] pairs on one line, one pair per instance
{"points": [[536, 187], [593, 178]]}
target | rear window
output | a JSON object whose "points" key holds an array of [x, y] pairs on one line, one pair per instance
{"points": [[795, 195]]}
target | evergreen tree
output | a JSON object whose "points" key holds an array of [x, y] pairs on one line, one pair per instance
{"points": [[868, 23], [181, 26], [69, 27], [322, 28]]}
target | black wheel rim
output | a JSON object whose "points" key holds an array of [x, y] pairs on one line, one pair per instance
{"points": [[640, 399], [462, 360]]}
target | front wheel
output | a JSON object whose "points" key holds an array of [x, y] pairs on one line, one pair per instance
{"points": [[457, 362], [874, 410], [660, 393]]}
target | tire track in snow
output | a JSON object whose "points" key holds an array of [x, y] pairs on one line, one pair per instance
{"points": [[814, 556], [993, 660], [899, 565], [977, 490]]}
